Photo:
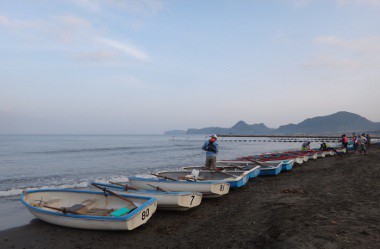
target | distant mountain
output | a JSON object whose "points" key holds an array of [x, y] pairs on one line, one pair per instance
{"points": [[175, 132], [240, 128], [336, 123]]}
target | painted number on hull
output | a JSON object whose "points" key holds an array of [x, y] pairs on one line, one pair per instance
{"points": [[145, 214], [221, 187], [192, 199]]}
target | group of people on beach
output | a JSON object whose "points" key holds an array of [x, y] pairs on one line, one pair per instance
{"points": [[360, 141]]}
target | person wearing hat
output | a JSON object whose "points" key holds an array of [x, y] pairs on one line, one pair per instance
{"points": [[211, 148]]}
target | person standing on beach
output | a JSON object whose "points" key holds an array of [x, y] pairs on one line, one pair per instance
{"points": [[211, 147], [368, 140], [344, 141], [362, 142], [355, 144]]}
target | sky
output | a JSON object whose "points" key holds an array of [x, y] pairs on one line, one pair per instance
{"points": [[147, 66]]}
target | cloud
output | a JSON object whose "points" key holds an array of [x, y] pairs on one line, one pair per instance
{"points": [[73, 32], [73, 20], [339, 53], [282, 37], [329, 61], [99, 56], [128, 49], [368, 44], [362, 2], [133, 6], [4, 21]]}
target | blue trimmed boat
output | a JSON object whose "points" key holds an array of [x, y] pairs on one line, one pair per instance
{"points": [[253, 169], [178, 201], [271, 170], [89, 209], [235, 179], [209, 189]]}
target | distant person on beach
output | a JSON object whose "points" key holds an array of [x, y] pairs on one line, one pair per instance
{"points": [[305, 146], [355, 143], [211, 146], [368, 140], [362, 142], [326, 147], [344, 141]]}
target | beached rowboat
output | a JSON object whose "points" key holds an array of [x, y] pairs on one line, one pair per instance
{"points": [[179, 201], [254, 170], [235, 179], [89, 209], [286, 165], [209, 189]]}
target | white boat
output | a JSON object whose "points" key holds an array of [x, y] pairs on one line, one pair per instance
{"points": [[89, 209], [254, 169], [208, 189], [235, 179], [179, 201]]}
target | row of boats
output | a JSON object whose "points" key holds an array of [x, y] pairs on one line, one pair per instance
{"points": [[125, 206]]}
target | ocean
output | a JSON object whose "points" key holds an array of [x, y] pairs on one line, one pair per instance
{"points": [[72, 161]]}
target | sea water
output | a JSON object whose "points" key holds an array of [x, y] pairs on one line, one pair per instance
{"points": [[73, 161]]}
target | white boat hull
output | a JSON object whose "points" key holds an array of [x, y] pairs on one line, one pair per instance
{"points": [[67, 198], [179, 201], [208, 189]]}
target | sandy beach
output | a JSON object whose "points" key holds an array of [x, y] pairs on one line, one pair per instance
{"points": [[327, 203]]}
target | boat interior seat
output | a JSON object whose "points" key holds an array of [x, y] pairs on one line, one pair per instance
{"points": [[51, 202], [99, 211]]}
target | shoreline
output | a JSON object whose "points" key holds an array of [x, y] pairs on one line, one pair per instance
{"points": [[327, 203]]}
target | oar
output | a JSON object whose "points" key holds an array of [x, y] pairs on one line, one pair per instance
{"points": [[114, 194], [125, 186], [237, 166], [63, 210], [157, 188], [257, 162], [165, 177], [227, 174]]}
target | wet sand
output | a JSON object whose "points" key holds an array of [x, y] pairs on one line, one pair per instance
{"points": [[327, 203]]}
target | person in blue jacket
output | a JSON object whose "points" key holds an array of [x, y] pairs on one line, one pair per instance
{"points": [[211, 148]]}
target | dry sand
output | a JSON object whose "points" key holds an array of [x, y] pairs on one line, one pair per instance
{"points": [[327, 203]]}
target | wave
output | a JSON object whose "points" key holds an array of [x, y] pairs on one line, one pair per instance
{"points": [[144, 149], [86, 150], [80, 184]]}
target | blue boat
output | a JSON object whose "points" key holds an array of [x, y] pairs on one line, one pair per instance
{"points": [[270, 170], [235, 179], [253, 169], [287, 165]]}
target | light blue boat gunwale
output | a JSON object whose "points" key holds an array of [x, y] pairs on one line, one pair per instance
{"points": [[270, 171], [255, 172], [240, 183], [149, 201], [287, 165]]}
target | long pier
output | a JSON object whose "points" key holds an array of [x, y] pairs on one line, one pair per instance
{"points": [[292, 136]]}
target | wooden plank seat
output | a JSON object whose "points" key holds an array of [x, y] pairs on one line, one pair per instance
{"points": [[81, 208], [51, 202], [99, 211]]}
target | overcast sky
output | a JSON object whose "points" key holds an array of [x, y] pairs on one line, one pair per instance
{"points": [[146, 66]]}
